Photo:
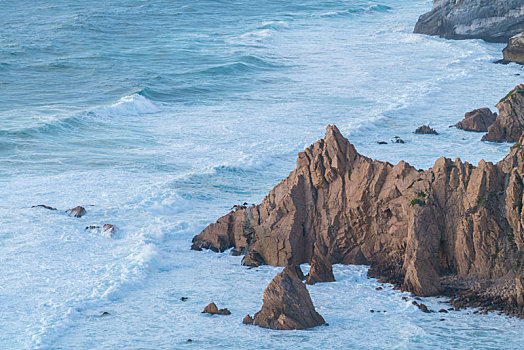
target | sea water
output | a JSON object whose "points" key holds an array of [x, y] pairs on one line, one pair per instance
{"points": [[159, 116]]}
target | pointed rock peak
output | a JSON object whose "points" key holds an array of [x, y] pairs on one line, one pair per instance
{"points": [[518, 90], [333, 132]]}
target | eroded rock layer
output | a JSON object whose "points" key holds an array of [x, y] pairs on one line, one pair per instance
{"points": [[414, 228], [491, 20], [509, 124]]}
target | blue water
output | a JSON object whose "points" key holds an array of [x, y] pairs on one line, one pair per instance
{"points": [[159, 116]]}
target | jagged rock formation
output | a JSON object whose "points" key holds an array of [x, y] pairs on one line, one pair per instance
{"points": [[415, 228], [514, 52], [491, 20], [509, 125], [478, 120], [321, 269], [426, 130], [287, 304]]}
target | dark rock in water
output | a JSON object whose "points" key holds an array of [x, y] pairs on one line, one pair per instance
{"points": [[105, 313], [514, 52], [490, 20], [478, 120], [238, 252], [253, 259], [214, 310], [184, 299], [443, 311], [382, 142], [77, 212], [247, 319], [424, 308], [321, 269], [92, 228], [43, 206], [287, 304], [189, 340], [509, 125], [425, 130], [397, 139], [378, 288]]}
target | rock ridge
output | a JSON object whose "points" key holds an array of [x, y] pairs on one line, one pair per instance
{"points": [[416, 229]]}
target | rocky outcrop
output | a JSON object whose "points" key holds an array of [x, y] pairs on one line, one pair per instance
{"points": [[509, 125], [253, 259], [412, 227], [426, 130], [490, 20], [514, 52], [287, 305], [76, 212], [43, 206], [321, 269], [212, 309], [478, 120]]}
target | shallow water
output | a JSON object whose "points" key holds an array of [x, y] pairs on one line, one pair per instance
{"points": [[158, 117]]}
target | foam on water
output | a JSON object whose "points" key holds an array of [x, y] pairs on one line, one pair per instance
{"points": [[159, 117]]}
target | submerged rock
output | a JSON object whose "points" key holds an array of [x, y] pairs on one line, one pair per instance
{"points": [[43, 206], [478, 120], [425, 130], [397, 139], [321, 269], [77, 212], [509, 125], [287, 304], [109, 230], [247, 319], [490, 20], [514, 52], [212, 309], [253, 259]]}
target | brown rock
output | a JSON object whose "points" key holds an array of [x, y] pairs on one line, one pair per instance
{"points": [[287, 304], [214, 310], [109, 230], [425, 130], [477, 120], [77, 212], [321, 269], [247, 320], [514, 52], [443, 311], [509, 125], [412, 227]]}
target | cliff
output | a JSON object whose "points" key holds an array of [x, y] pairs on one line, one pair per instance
{"points": [[509, 124], [490, 20], [514, 51], [439, 231]]}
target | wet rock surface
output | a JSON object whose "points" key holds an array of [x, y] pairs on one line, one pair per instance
{"points": [[43, 206], [321, 268], [287, 304], [426, 130], [414, 228], [490, 20], [478, 120]]}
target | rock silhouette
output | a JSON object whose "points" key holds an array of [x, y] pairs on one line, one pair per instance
{"points": [[214, 310], [478, 120]]}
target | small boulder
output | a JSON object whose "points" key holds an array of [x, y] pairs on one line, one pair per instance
{"points": [[287, 304], [43, 206], [214, 310], [426, 130], [478, 120], [253, 259], [443, 311], [184, 299], [247, 319], [105, 313], [109, 230], [321, 269], [397, 139], [77, 212], [382, 142]]}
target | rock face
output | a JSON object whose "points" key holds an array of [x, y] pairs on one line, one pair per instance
{"points": [[509, 125], [77, 212], [491, 20], [321, 269], [514, 52], [426, 130], [478, 120], [212, 309], [287, 304], [413, 227]]}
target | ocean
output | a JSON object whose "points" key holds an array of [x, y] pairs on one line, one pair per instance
{"points": [[159, 116]]}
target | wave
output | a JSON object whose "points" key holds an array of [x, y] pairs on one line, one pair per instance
{"points": [[356, 10]]}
